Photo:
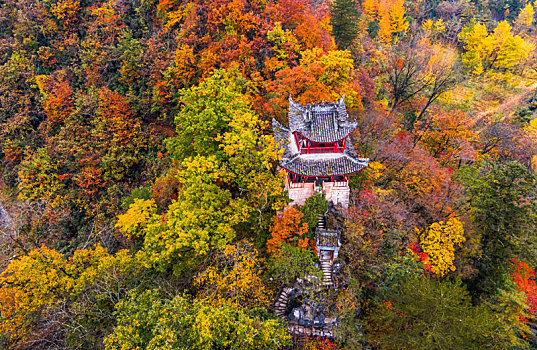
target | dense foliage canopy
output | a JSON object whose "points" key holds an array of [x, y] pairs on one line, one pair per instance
{"points": [[142, 205]]}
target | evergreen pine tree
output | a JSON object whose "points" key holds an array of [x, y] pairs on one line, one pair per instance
{"points": [[344, 22]]}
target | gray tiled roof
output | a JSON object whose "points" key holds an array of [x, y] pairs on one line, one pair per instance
{"points": [[322, 122], [341, 165], [327, 238]]}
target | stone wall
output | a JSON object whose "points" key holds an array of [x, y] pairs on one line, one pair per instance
{"points": [[299, 194], [335, 192]]}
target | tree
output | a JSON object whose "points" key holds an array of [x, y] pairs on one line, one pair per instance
{"points": [[39, 180], [205, 113], [397, 16], [216, 122], [320, 344], [319, 76], [449, 136], [418, 312], [234, 277], [313, 207], [344, 22], [419, 69], [117, 135], [288, 227], [58, 102], [525, 18], [524, 279], [439, 241], [146, 320], [291, 263], [226, 173], [202, 219], [137, 214], [503, 206], [390, 16], [499, 49], [43, 292], [285, 43]]}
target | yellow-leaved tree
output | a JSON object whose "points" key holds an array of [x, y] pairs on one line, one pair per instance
{"points": [[525, 18], [390, 16], [397, 16], [439, 241], [45, 287], [133, 220], [499, 49], [234, 277]]}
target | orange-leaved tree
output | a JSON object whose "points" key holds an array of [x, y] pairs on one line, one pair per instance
{"points": [[287, 227], [524, 278], [390, 15]]}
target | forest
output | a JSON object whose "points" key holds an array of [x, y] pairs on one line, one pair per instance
{"points": [[142, 205]]}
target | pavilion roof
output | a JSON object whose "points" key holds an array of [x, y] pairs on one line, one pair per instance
{"points": [[321, 122]]}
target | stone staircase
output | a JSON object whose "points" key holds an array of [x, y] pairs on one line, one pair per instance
{"points": [[320, 221], [280, 306], [325, 257], [326, 267]]}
